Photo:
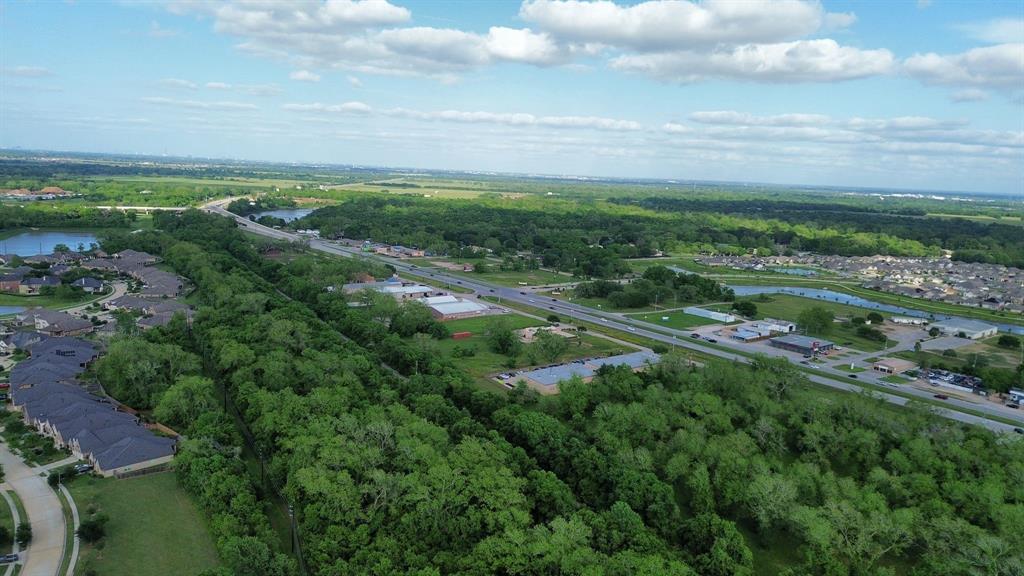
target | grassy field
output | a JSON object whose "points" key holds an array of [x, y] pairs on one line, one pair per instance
{"points": [[485, 363], [845, 367], [788, 307], [997, 357], [677, 319], [513, 279], [43, 301], [598, 303], [154, 529], [851, 288]]}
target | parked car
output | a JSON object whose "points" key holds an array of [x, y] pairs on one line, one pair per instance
{"points": [[942, 397], [1019, 430], [1013, 405], [8, 558], [83, 468]]}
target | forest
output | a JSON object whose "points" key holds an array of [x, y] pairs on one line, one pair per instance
{"points": [[57, 216], [394, 462]]}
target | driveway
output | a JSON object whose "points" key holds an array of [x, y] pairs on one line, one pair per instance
{"points": [[43, 555]]}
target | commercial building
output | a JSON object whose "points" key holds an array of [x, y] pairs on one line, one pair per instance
{"points": [[972, 329], [777, 326], [893, 365], [395, 287], [547, 379], [705, 313], [908, 320], [449, 307], [805, 345]]}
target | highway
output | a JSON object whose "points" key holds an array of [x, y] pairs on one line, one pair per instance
{"points": [[671, 337]]}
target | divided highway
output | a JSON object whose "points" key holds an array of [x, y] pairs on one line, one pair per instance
{"points": [[665, 335]]}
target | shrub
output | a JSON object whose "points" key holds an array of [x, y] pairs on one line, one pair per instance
{"points": [[23, 535], [93, 528]]}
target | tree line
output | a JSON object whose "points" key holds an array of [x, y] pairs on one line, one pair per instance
{"points": [[679, 470]]}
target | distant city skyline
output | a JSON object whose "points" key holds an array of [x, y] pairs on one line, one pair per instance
{"points": [[906, 95]]}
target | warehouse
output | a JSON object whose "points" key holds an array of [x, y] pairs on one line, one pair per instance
{"points": [[547, 379], [802, 344], [965, 328], [449, 307], [705, 313]]}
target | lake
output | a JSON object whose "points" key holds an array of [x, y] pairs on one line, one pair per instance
{"points": [[286, 214], [832, 296], [6, 310], [36, 242]]}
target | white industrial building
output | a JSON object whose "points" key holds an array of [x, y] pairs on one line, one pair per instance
{"points": [[705, 313], [972, 329], [909, 320], [449, 307], [773, 325]]}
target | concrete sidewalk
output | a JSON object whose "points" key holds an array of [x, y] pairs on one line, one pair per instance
{"points": [[43, 555]]}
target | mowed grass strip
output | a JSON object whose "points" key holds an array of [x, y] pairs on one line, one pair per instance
{"points": [[678, 319], [155, 529]]}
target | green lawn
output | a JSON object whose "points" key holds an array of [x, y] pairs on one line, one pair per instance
{"points": [[894, 379], [154, 529], [678, 319], [598, 303], [44, 301], [513, 279], [845, 367], [485, 363]]}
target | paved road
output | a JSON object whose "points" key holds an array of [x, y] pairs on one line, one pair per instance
{"points": [[678, 338], [43, 555]]}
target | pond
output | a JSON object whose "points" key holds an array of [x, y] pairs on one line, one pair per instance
{"points": [[36, 242], [832, 296], [286, 214], [7, 310]]}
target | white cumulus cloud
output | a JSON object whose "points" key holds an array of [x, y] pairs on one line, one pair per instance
{"points": [[304, 76], [800, 61], [999, 66]]}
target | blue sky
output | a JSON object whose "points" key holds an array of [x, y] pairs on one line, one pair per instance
{"points": [[902, 94]]}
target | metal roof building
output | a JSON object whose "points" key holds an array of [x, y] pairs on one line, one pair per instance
{"points": [[972, 329], [802, 344], [586, 369]]}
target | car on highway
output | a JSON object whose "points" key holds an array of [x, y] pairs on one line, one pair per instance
{"points": [[630, 328], [458, 281], [1013, 405], [1019, 430], [8, 558], [492, 289], [531, 300], [851, 376], [942, 396], [695, 335], [710, 339], [523, 293], [554, 299]]}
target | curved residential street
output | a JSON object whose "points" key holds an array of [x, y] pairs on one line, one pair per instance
{"points": [[43, 555]]}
